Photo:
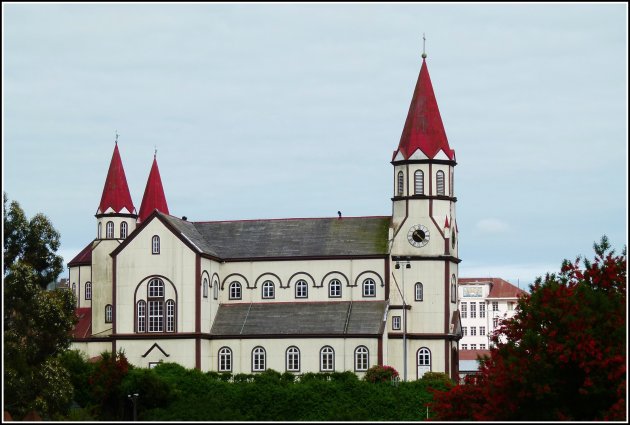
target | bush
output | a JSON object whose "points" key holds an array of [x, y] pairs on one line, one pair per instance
{"points": [[380, 373]]}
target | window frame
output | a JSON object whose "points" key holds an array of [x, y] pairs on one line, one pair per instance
{"points": [[124, 230], [141, 316], [292, 354], [301, 286], [224, 358], [440, 183], [155, 245], [418, 182], [215, 290], [233, 288], [463, 309], [326, 359], [400, 190], [361, 358], [88, 291], [109, 313], [259, 359], [270, 289], [109, 230], [420, 286], [205, 287], [367, 285], [170, 315], [334, 284], [423, 357], [396, 323]]}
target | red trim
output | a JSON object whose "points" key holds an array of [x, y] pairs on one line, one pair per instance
{"points": [[380, 351]]}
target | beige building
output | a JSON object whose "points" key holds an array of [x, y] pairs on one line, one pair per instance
{"points": [[299, 294]]}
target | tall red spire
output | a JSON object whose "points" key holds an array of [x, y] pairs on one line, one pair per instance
{"points": [[423, 128], [116, 192], [153, 198]]}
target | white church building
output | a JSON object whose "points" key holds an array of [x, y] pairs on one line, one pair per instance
{"points": [[295, 294]]}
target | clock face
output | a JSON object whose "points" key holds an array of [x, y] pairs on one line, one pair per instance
{"points": [[418, 235]]}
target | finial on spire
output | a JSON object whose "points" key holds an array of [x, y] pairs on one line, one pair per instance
{"points": [[116, 141], [424, 40], [155, 152]]}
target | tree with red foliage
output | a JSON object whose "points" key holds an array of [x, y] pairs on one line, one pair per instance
{"points": [[562, 356]]}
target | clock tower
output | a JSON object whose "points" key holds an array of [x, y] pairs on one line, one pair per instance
{"points": [[424, 243]]}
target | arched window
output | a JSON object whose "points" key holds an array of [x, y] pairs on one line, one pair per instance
{"points": [[170, 316], [419, 182], [334, 288], [258, 359], [205, 287], [369, 288], [361, 358], [268, 289], [453, 289], [401, 184], [419, 291], [293, 359], [424, 361], [141, 310], [100, 230], [225, 359], [215, 290], [109, 230], [155, 288], [235, 291], [123, 230], [440, 182], [301, 289], [155, 244], [108, 313], [88, 291], [326, 359]]}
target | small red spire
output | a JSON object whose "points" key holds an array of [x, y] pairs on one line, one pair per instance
{"points": [[116, 192], [153, 198], [446, 225], [423, 128]]}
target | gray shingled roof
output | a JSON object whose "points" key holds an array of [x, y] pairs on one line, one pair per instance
{"points": [[300, 318], [310, 237]]}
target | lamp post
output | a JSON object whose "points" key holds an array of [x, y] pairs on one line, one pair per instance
{"points": [[407, 264], [134, 400]]}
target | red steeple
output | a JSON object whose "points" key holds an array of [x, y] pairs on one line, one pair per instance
{"points": [[153, 198], [116, 192], [424, 129]]}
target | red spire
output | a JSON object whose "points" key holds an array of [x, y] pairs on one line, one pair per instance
{"points": [[446, 225], [153, 198], [116, 192], [423, 128]]}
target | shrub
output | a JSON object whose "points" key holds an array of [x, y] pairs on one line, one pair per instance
{"points": [[378, 373]]}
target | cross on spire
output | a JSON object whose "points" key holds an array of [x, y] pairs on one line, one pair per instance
{"points": [[116, 131], [424, 40]]}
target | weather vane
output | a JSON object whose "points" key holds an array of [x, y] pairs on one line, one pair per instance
{"points": [[424, 40]]}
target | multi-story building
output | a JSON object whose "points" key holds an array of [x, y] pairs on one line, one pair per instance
{"points": [[298, 294]]}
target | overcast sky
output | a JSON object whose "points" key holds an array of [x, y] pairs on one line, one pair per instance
{"points": [[294, 110]]}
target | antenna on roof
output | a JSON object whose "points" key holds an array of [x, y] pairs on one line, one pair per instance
{"points": [[424, 40]]}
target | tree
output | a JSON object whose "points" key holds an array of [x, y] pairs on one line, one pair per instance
{"points": [[37, 323], [560, 357], [33, 242]]}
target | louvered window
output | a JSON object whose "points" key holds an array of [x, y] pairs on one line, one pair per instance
{"points": [[440, 182], [401, 184], [419, 182]]}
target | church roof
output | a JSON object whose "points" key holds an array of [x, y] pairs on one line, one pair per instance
{"points": [[153, 198], [82, 258], [83, 328], [296, 237], [423, 128], [116, 192], [300, 318]]}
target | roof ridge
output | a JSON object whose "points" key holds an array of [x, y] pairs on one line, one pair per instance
{"points": [[288, 219]]}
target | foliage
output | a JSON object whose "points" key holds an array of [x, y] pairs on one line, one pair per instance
{"points": [[379, 373], [37, 327], [561, 357], [105, 383], [153, 390], [76, 363], [32, 242]]}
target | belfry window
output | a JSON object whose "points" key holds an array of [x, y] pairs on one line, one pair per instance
{"points": [[109, 230], [440, 182], [123, 230], [401, 184], [419, 182]]}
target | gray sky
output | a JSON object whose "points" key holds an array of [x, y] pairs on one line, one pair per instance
{"points": [[294, 110]]}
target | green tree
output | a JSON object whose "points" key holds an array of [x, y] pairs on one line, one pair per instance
{"points": [[37, 323], [33, 242], [562, 356]]}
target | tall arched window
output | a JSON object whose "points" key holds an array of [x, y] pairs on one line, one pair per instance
{"points": [[419, 291], [301, 289], [440, 182], [326, 359], [155, 244], [369, 288], [215, 290], [235, 291], [453, 289], [100, 230], [424, 361], [88, 290], [225, 359], [361, 358], [258, 359], [109, 230], [419, 182], [123, 230], [205, 287], [141, 310], [334, 288], [156, 305], [268, 289], [108, 313], [170, 316], [401, 184], [293, 359]]}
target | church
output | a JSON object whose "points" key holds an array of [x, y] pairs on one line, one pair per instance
{"points": [[289, 294]]}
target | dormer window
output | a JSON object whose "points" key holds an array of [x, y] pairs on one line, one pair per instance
{"points": [[419, 182], [401, 184], [440, 182], [109, 230], [123, 230], [155, 244]]}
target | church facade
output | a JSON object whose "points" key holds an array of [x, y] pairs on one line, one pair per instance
{"points": [[298, 294]]}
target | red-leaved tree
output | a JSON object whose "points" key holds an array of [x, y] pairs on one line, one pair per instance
{"points": [[562, 356]]}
